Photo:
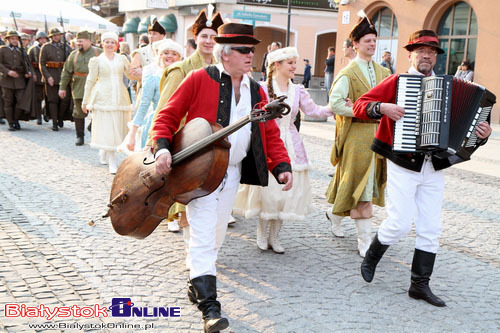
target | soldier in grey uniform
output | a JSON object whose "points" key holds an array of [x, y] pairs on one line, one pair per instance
{"points": [[34, 58], [75, 71], [2, 114], [52, 58], [13, 78]]}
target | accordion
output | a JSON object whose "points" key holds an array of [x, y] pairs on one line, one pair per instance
{"points": [[441, 115]]}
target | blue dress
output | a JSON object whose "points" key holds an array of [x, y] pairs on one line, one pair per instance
{"points": [[150, 95]]}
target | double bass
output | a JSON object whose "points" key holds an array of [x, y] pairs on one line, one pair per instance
{"points": [[140, 198]]}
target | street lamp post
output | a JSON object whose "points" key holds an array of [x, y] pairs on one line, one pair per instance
{"points": [[288, 24]]}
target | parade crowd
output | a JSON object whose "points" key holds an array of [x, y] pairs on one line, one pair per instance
{"points": [[267, 173]]}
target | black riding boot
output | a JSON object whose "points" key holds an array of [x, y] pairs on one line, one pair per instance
{"points": [[53, 115], [191, 293], [80, 131], [372, 257], [205, 288], [421, 271]]}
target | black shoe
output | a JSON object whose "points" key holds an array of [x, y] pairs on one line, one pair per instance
{"points": [[17, 125], [60, 122], [45, 118], [191, 293], [372, 257], [39, 121], [205, 287], [79, 141], [2, 121], [12, 127], [55, 128], [89, 126], [421, 271]]}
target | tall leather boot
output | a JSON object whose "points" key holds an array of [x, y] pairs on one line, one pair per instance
{"points": [[421, 271], [372, 257], [53, 115], [273, 239], [205, 288], [364, 228], [262, 228], [80, 131]]}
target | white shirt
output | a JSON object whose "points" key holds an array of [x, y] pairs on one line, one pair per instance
{"points": [[240, 140]]}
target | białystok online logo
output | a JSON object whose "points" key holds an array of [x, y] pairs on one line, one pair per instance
{"points": [[120, 307]]}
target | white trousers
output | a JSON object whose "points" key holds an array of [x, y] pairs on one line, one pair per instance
{"points": [[413, 196], [208, 217]]}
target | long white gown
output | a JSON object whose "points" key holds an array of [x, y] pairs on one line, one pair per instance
{"points": [[108, 99]]}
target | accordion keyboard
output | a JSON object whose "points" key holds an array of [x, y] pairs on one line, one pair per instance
{"points": [[406, 128]]}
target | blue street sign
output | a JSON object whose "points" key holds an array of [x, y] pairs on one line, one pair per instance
{"points": [[244, 15]]}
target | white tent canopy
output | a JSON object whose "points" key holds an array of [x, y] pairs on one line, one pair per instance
{"points": [[32, 14]]}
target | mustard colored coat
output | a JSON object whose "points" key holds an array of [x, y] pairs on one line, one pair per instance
{"points": [[351, 153]]}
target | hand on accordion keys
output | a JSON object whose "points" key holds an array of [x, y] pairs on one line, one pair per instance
{"points": [[483, 130], [393, 111]]}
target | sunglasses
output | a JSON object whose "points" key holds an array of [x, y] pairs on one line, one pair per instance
{"points": [[244, 49]]}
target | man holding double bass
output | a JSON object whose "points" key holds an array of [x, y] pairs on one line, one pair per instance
{"points": [[221, 93]]}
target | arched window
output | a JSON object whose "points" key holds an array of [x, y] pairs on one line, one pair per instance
{"points": [[387, 27], [457, 31]]}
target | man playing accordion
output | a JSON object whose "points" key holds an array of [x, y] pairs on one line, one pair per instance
{"points": [[415, 180]]}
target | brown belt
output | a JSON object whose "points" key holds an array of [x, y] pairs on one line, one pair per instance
{"points": [[80, 74], [368, 121], [54, 64], [34, 64]]}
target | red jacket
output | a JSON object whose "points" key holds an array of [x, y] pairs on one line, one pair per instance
{"points": [[198, 96], [385, 92]]}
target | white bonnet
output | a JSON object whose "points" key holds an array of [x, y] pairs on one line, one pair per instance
{"points": [[109, 35], [282, 54], [169, 44]]}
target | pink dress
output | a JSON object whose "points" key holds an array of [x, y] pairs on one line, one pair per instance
{"points": [[271, 203]]}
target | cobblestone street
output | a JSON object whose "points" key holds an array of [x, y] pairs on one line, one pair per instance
{"points": [[50, 189]]}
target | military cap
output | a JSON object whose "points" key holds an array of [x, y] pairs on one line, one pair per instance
{"points": [[203, 22], [54, 31], [154, 25], [364, 27], [83, 35], [41, 34], [25, 36], [423, 38], [12, 33]]}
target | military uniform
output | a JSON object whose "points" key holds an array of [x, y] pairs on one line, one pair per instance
{"points": [[75, 71], [52, 58], [11, 58], [34, 58]]}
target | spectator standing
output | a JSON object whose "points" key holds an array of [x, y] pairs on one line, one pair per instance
{"points": [[387, 61], [307, 74], [464, 71], [329, 69], [190, 47]]}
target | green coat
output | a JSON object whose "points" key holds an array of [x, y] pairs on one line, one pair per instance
{"points": [[351, 153], [77, 62]]}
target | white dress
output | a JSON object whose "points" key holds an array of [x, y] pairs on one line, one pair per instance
{"points": [[108, 99], [271, 203]]}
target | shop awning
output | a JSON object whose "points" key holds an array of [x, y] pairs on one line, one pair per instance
{"points": [[143, 25], [169, 22], [131, 25]]}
